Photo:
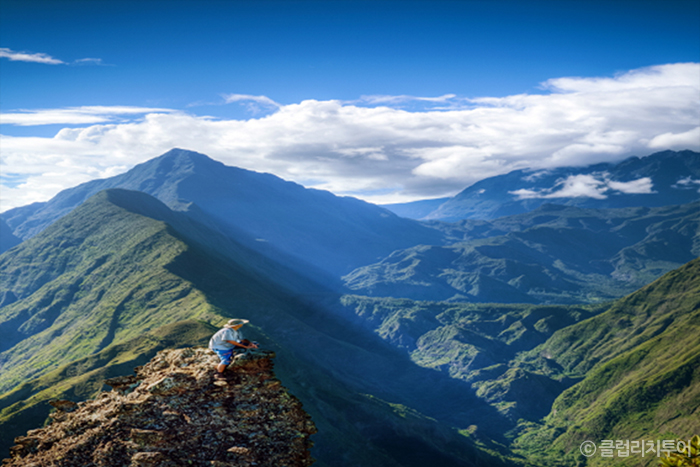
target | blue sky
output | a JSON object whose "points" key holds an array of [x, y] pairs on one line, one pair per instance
{"points": [[388, 101]]}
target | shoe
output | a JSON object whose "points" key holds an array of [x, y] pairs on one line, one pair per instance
{"points": [[218, 375]]}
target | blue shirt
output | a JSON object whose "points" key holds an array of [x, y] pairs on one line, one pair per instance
{"points": [[218, 340]]}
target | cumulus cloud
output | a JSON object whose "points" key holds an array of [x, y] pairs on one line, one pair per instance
{"points": [[682, 140], [29, 57], [382, 153], [641, 186]]}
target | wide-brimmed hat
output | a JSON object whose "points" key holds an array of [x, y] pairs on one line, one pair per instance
{"points": [[235, 322]]}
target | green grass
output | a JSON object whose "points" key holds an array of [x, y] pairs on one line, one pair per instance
{"points": [[479, 344], [641, 365], [96, 291]]}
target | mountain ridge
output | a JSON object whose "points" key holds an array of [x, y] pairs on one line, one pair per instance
{"points": [[640, 366], [659, 179], [553, 254], [329, 232], [343, 375], [388, 381]]}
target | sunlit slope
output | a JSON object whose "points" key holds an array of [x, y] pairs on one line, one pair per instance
{"points": [[641, 362], [82, 285], [478, 344]]}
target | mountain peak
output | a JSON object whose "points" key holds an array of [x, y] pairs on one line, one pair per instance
{"points": [[179, 155], [176, 161], [174, 412]]}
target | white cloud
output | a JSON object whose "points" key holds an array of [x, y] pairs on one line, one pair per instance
{"points": [[596, 185], [46, 59], [687, 183], [254, 104], [89, 61], [580, 186], [669, 75], [29, 57], [687, 139], [73, 115], [574, 186], [387, 99], [379, 153], [641, 186]]}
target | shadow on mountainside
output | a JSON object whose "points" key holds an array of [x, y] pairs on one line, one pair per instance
{"points": [[353, 355]]}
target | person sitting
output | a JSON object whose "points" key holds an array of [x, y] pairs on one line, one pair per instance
{"points": [[227, 341]]}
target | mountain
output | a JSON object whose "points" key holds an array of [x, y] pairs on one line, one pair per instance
{"points": [[660, 179], [476, 343], [553, 254], [416, 209], [624, 370], [106, 279], [172, 412], [640, 364], [261, 210], [122, 276], [7, 238]]}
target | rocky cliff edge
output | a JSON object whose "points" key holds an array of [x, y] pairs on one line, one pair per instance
{"points": [[173, 412]]}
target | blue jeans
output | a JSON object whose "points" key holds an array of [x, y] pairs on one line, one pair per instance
{"points": [[226, 355]]}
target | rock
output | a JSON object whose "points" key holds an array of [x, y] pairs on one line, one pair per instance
{"points": [[123, 384], [64, 405], [173, 412], [149, 459]]}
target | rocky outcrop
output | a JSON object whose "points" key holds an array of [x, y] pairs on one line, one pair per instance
{"points": [[173, 412]]}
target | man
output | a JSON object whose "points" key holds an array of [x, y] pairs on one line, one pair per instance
{"points": [[228, 340]]}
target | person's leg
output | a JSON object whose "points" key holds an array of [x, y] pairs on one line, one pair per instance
{"points": [[224, 358]]}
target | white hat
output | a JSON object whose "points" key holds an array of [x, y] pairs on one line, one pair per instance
{"points": [[235, 322]]}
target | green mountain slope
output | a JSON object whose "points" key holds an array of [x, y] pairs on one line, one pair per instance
{"points": [[313, 227], [25, 407], [641, 362], [7, 238], [624, 370], [111, 282], [554, 254], [477, 344]]}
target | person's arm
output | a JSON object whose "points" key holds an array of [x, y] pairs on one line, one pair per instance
{"points": [[238, 344]]}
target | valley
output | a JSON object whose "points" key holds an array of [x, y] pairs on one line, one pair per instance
{"points": [[487, 340]]}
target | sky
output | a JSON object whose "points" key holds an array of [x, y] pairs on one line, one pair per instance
{"points": [[386, 101]]}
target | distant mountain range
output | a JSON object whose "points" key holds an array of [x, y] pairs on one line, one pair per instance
{"points": [[315, 227], [661, 179], [400, 371], [628, 369], [554, 254]]}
